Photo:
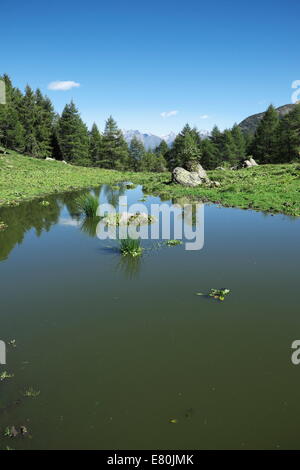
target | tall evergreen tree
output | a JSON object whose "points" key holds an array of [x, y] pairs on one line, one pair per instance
{"points": [[115, 148], [186, 143], [265, 143], [136, 153], [44, 124], [240, 143], [210, 156], [162, 148], [11, 128], [95, 145], [289, 137], [73, 136]]}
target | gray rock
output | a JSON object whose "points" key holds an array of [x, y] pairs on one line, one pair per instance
{"points": [[186, 178], [253, 162], [250, 163], [195, 167]]}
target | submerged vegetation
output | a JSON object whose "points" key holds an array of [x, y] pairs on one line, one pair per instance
{"points": [[31, 393], [3, 226], [173, 242], [5, 375], [218, 294]]}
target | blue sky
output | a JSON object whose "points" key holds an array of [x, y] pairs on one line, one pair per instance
{"points": [[211, 62]]}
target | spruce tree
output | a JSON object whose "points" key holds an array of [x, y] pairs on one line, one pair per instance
{"points": [[162, 148], [73, 136], [115, 148], [95, 145], [265, 143], [210, 156], [240, 143], [289, 137], [11, 128], [44, 124], [29, 118], [178, 155], [136, 154]]}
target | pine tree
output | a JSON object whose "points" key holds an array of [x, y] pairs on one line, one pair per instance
{"points": [[210, 156], [73, 136], [189, 152], [178, 154], [115, 148], [153, 162], [162, 148], [44, 124], [95, 145], [289, 137], [265, 143], [240, 143], [29, 117], [11, 129], [136, 153], [230, 152]]}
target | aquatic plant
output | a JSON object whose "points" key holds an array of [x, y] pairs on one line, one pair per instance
{"points": [[3, 226], [131, 247], [5, 375], [31, 393], [173, 421], [128, 218], [218, 294], [130, 186], [12, 343], [173, 242], [88, 205], [8, 432], [44, 203]]}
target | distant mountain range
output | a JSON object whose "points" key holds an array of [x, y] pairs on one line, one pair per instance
{"points": [[151, 141], [250, 124]]}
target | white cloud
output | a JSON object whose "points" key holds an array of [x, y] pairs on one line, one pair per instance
{"points": [[63, 86], [166, 114], [204, 116], [68, 222]]}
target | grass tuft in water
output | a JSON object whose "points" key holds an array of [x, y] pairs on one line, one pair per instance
{"points": [[88, 205], [5, 375], [131, 247], [173, 242]]}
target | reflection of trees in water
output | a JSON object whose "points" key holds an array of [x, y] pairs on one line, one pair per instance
{"points": [[23, 218], [190, 208], [32, 214], [112, 193]]}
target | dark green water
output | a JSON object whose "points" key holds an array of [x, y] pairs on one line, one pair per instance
{"points": [[117, 350]]}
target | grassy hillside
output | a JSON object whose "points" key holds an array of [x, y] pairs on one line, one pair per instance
{"points": [[24, 178], [272, 188]]}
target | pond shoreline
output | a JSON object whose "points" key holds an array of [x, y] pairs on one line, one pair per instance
{"points": [[272, 189]]}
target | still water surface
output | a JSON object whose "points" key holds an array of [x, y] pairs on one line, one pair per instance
{"points": [[118, 349]]}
